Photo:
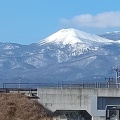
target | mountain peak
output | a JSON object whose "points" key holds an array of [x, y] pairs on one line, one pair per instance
{"points": [[73, 36], [64, 36]]}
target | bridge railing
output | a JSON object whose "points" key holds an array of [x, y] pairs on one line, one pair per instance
{"points": [[63, 85]]}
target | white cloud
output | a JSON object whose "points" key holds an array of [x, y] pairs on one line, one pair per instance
{"points": [[101, 20]]}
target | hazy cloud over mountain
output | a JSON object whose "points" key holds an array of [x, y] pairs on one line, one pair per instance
{"points": [[101, 20]]}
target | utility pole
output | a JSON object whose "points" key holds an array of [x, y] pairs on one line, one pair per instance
{"points": [[117, 70], [19, 82]]}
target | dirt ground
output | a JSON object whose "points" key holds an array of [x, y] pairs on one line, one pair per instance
{"points": [[19, 107]]}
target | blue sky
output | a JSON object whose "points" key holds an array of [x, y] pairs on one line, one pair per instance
{"points": [[28, 21]]}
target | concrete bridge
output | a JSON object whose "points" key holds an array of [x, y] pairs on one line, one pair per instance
{"points": [[93, 101], [87, 103]]}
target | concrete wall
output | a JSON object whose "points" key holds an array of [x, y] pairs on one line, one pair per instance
{"points": [[76, 99]]}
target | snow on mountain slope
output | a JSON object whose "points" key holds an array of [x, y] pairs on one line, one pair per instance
{"points": [[73, 36], [67, 43]]}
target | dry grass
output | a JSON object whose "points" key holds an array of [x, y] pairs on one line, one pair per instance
{"points": [[19, 107]]}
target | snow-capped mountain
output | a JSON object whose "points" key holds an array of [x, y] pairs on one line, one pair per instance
{"points": [[73, 36], [78, 41], [111, 35], [71, 42], [67, 55]]}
